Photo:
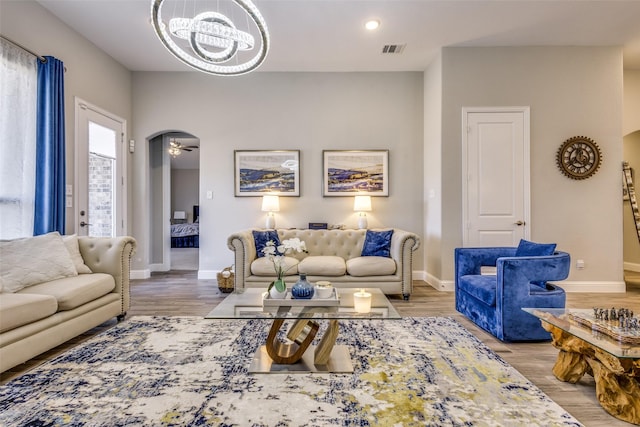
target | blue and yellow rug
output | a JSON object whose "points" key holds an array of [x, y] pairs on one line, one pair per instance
{"points": [[188, 371]]}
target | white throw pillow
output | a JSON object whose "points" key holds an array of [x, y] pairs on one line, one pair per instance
{"points": [[71, 242], [26, 262]]}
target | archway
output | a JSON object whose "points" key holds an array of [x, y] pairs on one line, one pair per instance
{"points": [[174, 179]]}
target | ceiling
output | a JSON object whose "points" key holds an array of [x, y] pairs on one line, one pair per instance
{"points": [[329, 35]]}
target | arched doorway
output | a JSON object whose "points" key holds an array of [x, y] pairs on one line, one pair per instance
{"points": [[174, 180]]}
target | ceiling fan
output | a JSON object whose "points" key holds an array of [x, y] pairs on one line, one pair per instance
{"points": [[176, 148]]}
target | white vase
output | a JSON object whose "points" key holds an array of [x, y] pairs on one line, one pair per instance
{"points": [[275, 294]]}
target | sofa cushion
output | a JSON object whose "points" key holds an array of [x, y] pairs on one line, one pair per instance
{"points": [[377, 243], [264, 267], [324, 265], [72, 292], [261, 238], [371, 266], [480, 287], [21, 309], [527, 248], [33, 260], [71, 243]]}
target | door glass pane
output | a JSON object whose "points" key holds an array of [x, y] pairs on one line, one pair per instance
{"points": [[102, 175]]}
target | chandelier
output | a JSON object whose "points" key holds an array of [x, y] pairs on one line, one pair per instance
{"points": [[208, 40]]}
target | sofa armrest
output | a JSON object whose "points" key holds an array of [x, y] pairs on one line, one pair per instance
{"points": [[111, 255], [403, 243], [470, 260], [515, 273], [244, 248]]}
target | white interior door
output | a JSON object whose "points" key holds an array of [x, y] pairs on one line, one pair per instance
{"points": [[495, 176], [100, 157]]}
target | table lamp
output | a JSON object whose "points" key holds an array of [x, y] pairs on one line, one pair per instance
{"points": [[270, 204], [362, 204]]}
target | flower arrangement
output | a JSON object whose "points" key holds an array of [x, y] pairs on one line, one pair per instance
{"points": [[276, 255]]}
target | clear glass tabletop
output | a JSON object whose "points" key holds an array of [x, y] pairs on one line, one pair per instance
{"points": [[248, 304], [572, 320]]}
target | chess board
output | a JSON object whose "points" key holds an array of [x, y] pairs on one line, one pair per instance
{"points": [[622, 335]]}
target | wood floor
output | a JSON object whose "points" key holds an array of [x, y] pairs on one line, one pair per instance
{"points": [[179, 293]]}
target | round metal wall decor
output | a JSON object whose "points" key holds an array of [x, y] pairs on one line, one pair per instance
{"points": [[579, 157]]}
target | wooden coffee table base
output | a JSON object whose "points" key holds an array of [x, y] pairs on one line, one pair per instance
{"points": [[617, 379], [299, 355]]}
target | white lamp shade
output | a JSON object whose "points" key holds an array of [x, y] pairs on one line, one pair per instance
{"points": [[179, 215], [362, 204], [270, 203]]}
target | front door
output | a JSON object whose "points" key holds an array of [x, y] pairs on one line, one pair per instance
{"points": [[99, 172], [495, 176]]}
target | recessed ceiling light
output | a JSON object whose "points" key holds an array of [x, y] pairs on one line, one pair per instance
{"points": [[372, 24]]}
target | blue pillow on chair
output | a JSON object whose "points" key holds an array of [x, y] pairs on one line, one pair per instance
{"points": [[377, 243], [527, 248], [262, 237]]}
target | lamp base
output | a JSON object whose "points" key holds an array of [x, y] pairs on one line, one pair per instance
{"points": [[271, 222], [362, 222]]}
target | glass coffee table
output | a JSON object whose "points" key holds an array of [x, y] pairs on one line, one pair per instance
{"points": [[296, 353], [589, 343]]}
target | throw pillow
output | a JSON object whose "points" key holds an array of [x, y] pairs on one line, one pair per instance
{"points": [[71, 242], [34, 260], [377, 243], [527, 248], [262, 237]]}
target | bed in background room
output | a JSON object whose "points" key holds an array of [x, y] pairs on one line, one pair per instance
{"points": [[187, 235]]}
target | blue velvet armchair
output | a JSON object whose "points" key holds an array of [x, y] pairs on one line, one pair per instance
{"points": [[495, 302]]}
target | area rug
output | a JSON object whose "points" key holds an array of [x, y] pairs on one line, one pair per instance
{"points": [[188, 371]]}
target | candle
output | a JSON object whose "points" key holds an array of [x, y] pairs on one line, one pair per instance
{"points": [[362, 301]]}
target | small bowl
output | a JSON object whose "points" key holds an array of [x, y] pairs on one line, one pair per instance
{"points": [[324, 289]]}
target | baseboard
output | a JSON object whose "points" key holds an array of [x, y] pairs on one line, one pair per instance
{"points": [[593, 287], [208, 275], [631, 266], [568, 286], [140, 274], [439, 284]]}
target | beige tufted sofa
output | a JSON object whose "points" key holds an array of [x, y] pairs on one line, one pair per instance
{"points": [[333, 255], [40, 317]]}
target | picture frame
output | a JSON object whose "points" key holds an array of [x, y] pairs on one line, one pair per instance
{"points": [[351, 172], [258, 172]]}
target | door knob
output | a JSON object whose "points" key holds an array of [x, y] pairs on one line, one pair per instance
{"points": [[84, 224], [519, 223]]}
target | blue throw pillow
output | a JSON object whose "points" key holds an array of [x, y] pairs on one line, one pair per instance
{"points": [[377, 243], [527, 248], [262, 237]]}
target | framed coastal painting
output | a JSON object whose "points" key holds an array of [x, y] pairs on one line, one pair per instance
{"points": [[348, 172], [271, 171]]}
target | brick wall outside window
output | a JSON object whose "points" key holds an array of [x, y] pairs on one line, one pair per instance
{"points": [[101, 193]]}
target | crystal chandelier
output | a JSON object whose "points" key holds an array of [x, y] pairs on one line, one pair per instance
{"points": [[209, 40]]}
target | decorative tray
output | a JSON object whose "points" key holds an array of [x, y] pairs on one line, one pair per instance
{"points": [[289, 301], [623, 335]]}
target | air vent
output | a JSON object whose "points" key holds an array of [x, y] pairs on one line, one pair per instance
{"points": [[393, 48]]}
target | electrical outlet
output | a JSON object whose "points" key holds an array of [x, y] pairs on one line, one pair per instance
{"points": [[580, 264]]}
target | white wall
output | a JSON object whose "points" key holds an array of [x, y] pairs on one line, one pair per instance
{"points": [[91, 74], [631, 118], [303, 111], [432, 196], [185, 191], [571, 91]]}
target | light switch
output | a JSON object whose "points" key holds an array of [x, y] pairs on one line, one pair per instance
{"points": [[69, 190], [69, 202], [209, 194]]}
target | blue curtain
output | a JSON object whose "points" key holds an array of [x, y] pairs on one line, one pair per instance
{"points": [[50, 149]]}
